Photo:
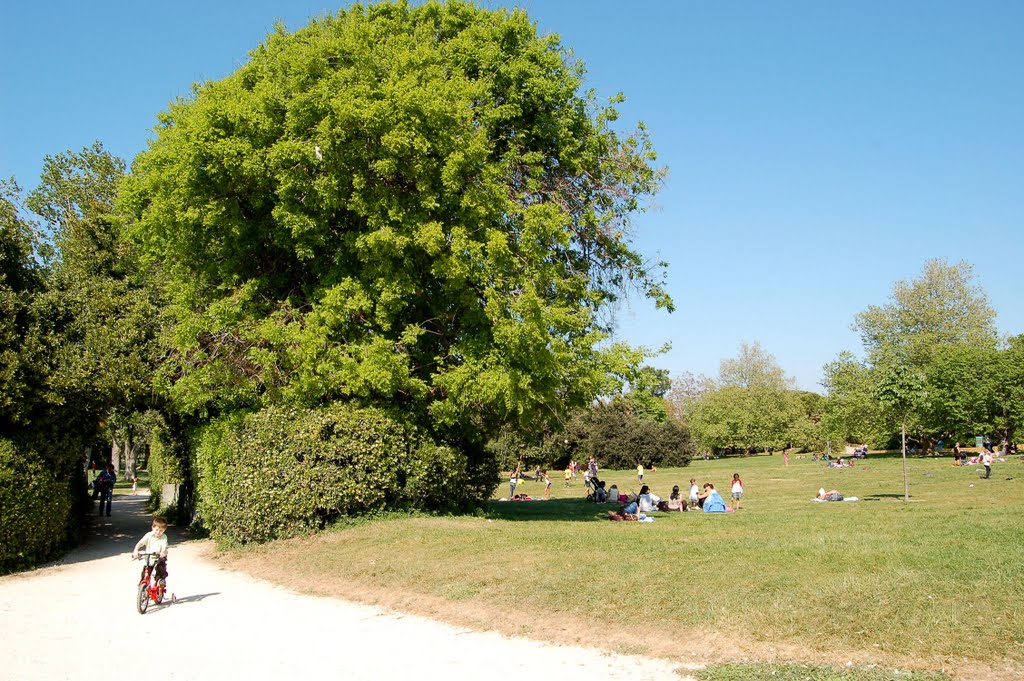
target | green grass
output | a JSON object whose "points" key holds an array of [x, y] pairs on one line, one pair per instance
{"points": [[935, 580]]}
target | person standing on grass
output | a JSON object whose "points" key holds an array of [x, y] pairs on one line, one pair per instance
{"points": [[737, 491], [513, 480], [568, 475], [639, 473], [547, 484], [986, 460], [785, 456], [694, 492], [956, 454]]}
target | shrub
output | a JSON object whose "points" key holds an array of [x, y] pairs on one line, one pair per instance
{"points": [[36, 507], [279, 472]]}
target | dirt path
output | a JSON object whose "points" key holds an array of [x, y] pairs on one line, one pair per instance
{"points": [[76, 619]]}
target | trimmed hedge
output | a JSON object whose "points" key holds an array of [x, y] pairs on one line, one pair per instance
{"points": [[36, 508], [285, 471]]}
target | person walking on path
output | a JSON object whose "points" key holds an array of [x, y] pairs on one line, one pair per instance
{"points": [[105, 484]]}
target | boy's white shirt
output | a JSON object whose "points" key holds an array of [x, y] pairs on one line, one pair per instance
{"points": [[152, 544]]}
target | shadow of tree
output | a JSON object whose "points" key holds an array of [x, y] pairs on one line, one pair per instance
{"points": [[106, 536]]}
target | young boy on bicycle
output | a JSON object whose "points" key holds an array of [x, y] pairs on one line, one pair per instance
{"points": [[155, 541]]}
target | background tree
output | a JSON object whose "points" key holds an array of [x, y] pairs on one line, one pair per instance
{"points": [[852, 413], [934, 332], [942, 307], [101, 311], [22, 370], [686, 388], [618, 437], [750, 406]]}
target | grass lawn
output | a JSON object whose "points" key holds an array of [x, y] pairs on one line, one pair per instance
{"points": [[933, 584]]}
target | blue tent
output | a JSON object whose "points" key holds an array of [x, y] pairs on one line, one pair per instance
{"points": [[714, 503]]}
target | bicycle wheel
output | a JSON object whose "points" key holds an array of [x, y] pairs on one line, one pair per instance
{"points": [[143, 600]]}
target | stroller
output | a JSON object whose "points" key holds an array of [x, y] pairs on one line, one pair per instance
{"points": [[597, 492]]}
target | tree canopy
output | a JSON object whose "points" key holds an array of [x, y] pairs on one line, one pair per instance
{"points": [[752, 405], [415, 205]]}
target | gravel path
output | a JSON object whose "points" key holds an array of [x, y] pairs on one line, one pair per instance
{"points": [[76, 619]]}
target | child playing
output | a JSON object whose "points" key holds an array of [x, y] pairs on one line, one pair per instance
{"points": [[737, 491], [155, 541], [547, 484], [694, 492]]}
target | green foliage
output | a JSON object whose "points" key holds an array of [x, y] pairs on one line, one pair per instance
{"points": [[76, 331], [280, 472], [36, 505], [100, 314], [932, 365], [167, 461], [618, 437], [751, 406], [941, 307], [395, 205], [22, 360]]}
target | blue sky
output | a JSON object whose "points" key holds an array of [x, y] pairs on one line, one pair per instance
{"points": [[817, 151]]}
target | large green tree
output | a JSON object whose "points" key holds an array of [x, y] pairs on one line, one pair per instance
{"points": [[22, 277], [941, 307], [930, 351], [396, 205], [752, 405]]}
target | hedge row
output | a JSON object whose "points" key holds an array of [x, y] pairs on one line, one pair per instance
{"points": [[35, 506], [285, 471]]}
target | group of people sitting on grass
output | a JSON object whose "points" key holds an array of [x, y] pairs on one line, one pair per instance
{"points": [[637, 507]]}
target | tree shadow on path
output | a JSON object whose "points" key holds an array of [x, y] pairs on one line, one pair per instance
{"points": [[116, 534]]}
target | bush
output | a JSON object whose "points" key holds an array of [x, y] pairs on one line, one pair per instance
{"points": [[280, 472], [36, 506], [164, 465]]}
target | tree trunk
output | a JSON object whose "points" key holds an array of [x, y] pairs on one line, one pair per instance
{"points": [[906, 482], [130, 458], [115, 453]]}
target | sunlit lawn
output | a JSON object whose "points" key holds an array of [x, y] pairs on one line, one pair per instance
{"points": [[937, 580]]}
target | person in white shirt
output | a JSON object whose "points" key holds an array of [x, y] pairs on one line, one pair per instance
{"points": [[646, 501], [155, 541]]}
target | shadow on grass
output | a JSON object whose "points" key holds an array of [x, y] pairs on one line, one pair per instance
{"points": [[554, 509]]}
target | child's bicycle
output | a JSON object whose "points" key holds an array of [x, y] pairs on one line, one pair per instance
{"points": [[151, 588]]}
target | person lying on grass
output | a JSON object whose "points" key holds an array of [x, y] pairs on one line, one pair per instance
{"points": [[831, 495]]}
